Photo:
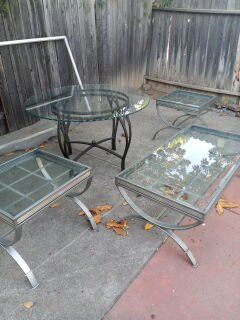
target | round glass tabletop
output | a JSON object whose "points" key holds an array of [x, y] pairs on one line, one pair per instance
{"points": [[93, 102]]}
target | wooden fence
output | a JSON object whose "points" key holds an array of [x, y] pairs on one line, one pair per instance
{"points": [[196, 48], [108, 39], [116, 42]]}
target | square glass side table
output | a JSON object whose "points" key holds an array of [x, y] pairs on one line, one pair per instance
{"points": [[30, 183], [185, 177], [190, 104]]}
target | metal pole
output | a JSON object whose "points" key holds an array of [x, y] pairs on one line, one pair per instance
{"points": [[32, 40], [75, 68]]}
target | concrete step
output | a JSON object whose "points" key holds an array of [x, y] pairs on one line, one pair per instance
{"points": [[28, 137]]}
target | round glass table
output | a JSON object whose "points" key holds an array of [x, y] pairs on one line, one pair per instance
{"points": [[74, 104]]}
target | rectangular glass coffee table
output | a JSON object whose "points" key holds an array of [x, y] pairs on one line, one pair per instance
{"points": [[190, 104], [30, 183], [186, 176]]}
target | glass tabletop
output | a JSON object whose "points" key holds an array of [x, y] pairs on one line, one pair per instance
{"points": [[189, 99], [94, 102], [191, 169], [34, 177]]}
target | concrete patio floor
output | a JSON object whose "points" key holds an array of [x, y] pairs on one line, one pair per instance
{"points": [[83, 273]]}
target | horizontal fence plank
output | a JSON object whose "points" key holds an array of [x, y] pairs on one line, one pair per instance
{"points": [[198, 11], [189, 86]]}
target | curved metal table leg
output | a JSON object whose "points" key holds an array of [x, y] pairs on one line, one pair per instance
{"points": [[186, 116], [22, 264], [165, 121], [7, 246], [166, 228], [74, 195], [86, 211], [182, 245], [114, 132], [63, 138], [127, 129]]}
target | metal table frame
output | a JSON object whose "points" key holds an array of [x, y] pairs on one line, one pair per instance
{"points": [[68, 189], [188, 111], [185, 210]]}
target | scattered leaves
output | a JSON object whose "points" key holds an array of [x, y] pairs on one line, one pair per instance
{"points": [[148, 226], [119, 227], [98, 212], [54, 205], [224, 204], [28, 304]]}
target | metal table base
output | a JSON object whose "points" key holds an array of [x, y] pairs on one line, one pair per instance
{"points": [[192, 105], [12, 236], [176, 124], [65, 143], [8, 245], [166, 228], [185, 177]]}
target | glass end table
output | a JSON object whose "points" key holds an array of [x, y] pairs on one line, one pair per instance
{"points": [[185, 176], [73, 104], [30, 183], [190, 104]]}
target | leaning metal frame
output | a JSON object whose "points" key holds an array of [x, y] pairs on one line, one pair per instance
{"points": [[47, 39], [7, 245]]}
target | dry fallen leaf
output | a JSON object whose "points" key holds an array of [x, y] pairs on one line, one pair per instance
{"points": [[119, 227], [28, 304], [98, 210], [98, 218], [148, 226], [42, 146], [219, 208], [224, 204], [101, 209], [120, 232], [55, 205], [125, 203], [114, 224]]}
